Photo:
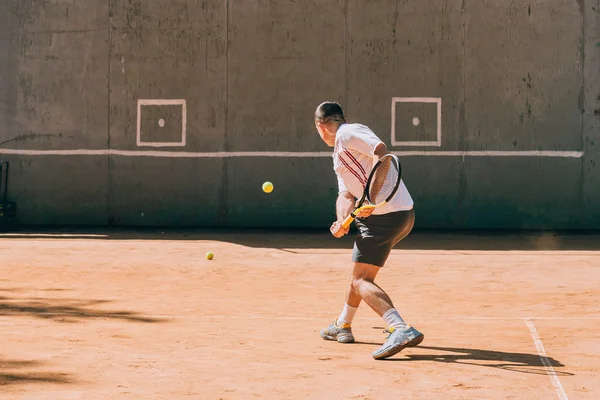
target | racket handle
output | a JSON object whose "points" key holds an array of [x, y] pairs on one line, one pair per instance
{"points": [[348, 220], [352, 215]]}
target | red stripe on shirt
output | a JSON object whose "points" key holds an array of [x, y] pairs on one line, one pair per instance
{"points": [[356, 162], [356, 174]]}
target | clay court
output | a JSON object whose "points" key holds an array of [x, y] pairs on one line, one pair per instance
{"points": [[143, 315]]}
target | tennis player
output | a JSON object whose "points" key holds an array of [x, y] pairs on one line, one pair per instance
{"points": [[356, 149]]}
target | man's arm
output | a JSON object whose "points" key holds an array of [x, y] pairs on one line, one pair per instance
{"points": [[344, 205], [380, 151]]}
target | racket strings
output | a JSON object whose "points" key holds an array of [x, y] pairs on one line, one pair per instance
{"points": [[384, 181]]}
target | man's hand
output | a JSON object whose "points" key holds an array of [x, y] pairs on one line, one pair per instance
{"points": [[344, 206], [338, 230], [365, 213]]}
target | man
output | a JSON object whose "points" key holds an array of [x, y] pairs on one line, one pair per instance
{"points": [[356, 149]]}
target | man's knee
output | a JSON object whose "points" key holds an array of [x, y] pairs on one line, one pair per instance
{"points": [[356, 283], [364, 271], [361, 274]]}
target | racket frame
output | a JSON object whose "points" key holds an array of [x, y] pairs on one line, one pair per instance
{"points": [[365, 196]]}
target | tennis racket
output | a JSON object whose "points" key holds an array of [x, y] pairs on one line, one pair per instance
{"points": [[381, 186]]}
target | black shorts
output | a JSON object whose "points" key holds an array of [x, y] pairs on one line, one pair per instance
{"points": [[378, 234]]}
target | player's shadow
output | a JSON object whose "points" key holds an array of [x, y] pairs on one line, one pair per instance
{"points": [[518, 362], [65, 310], [15, 372]]}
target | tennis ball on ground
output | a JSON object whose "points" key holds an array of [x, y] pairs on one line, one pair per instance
{"points": [[209, 256], [267, 187]]}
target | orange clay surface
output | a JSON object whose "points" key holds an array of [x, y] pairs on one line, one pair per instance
{"points": [[143, 315]]}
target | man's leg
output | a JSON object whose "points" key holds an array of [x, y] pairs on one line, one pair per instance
{"points": [[374, 243], [340, 329], [353, 300], [401, 334], [362, 286]]}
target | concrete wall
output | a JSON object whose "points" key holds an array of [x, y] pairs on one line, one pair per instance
{"points": [[519, 84]]}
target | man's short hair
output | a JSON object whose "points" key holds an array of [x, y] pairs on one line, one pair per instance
{"points": [[329, 111]]}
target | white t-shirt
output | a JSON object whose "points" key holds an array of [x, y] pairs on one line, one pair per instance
{"points": [[353, 160]]}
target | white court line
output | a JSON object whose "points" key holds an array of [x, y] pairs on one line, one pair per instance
{"points": [[597, 318], [301, 318], [542, 353], [299, 154], [431, 318]]}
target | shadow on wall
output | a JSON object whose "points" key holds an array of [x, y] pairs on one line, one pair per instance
{"points": [[498, 240], [13, 372]]}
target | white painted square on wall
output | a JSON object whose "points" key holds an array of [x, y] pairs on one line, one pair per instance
{"points": [[423, 100], [143, 103]]}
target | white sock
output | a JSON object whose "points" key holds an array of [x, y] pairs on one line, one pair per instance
{"points": [[347, 315], [393, 318]]}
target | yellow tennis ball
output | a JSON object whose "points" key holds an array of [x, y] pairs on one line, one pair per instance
{"points": [[209, 256], [267, 187]]}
